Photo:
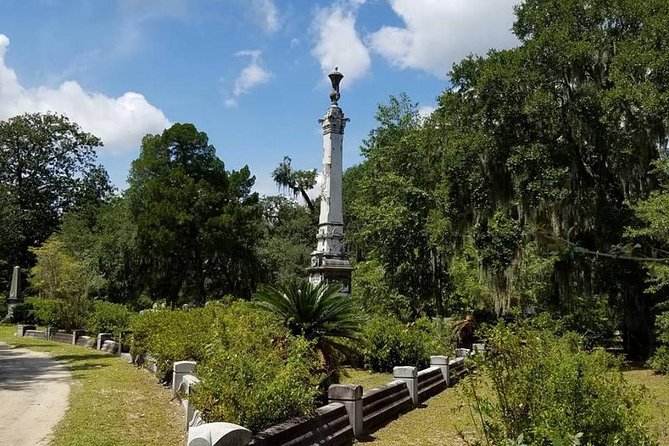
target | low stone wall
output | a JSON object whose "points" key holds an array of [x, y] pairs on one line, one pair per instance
{"points": [[384, 403], [330, 426], [350, 413], [38, 334]]}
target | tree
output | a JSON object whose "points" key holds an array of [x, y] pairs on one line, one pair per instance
{"points": [[197, 225], [395, 208], [299, 182], [59, 276], [553, 140], [290, 236], [47, 167]]}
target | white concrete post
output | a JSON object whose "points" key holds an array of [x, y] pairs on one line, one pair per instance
{"points": [[179, 370], [462, 352], [102, 337], [442, 363], [350, 395], [220, 434], [410, 376], [478, 348]]}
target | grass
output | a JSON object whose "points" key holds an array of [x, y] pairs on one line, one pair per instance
{"points": [[112, 403], [443, 418], [368, 380]]}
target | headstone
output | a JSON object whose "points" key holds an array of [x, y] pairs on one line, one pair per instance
{"points": [[14, 292]]}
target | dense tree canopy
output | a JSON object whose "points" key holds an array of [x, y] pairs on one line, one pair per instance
{"points": [[528, 171], [196, 223], [47, 167]]}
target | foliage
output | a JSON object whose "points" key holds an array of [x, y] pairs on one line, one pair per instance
{"points": [[108, 317], [255, 373], [371, 289], [290, 236], [386, 342], [319, 313], [659, 362], [660, 359], [23, 313], [299, 182], [549, 390], [172, 335], [50, 313], [47, 167], [58, 277], [197, 225], [104, 237]]}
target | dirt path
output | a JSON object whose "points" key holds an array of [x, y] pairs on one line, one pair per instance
{"points": [[33, 396]]}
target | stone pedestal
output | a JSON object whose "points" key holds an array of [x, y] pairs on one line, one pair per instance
{"points": [[350, 395]]}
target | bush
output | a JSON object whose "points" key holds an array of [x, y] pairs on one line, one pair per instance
{"points": [[659, 362], [550, 391], [47, 312], [387, 342], [172, 335], [23, 313], [107, 317], [258, 374]]}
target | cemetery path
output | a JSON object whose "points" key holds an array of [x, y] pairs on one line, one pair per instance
{"points": [[34, 391]]}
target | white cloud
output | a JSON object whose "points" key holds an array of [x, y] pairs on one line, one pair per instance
{"points": [[266, 14], [120, 122], [338, 43], [438, 33], [426, 110], [251, 76]]}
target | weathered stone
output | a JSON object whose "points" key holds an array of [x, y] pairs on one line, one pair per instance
{"points": [[76, 334], [102, 337], [478, 348], [219, 434], [442, 363], [21, 329], [350, 395], [14, 291], [329, 262], [109, 346], [179, 369], [462, 352], [409, 375]]}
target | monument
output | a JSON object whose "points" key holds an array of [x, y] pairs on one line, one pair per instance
{"points": [[329, 262], [14, 297]]}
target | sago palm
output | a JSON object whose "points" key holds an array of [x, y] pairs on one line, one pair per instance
{"points": [[316, 312]]}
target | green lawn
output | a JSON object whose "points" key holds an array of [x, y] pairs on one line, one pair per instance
{"points": [[368, 380], [111, 401], [443, 418]]}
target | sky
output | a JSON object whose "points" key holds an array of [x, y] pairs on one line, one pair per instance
{"points": [[252, 74]]}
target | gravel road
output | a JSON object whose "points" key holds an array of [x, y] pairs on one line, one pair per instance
{"points": [[33, 396]]}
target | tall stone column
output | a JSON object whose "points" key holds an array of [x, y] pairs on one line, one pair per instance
{"points": [[329, 262], [14, 291]]}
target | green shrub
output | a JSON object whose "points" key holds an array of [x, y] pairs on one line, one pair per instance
{"points": [[23, 313], [47, 312], [172, 335], [387, 342], [549, 390], [659, 362], [258, 374], [107, 317]]}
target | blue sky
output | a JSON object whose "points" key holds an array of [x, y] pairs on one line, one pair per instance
{"points": [[250, 73]]}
